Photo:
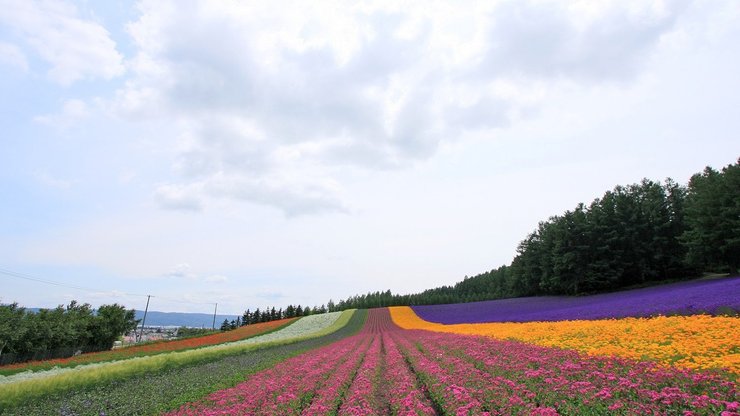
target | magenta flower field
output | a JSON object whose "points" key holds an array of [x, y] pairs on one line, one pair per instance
{"points": [[384, 370]]}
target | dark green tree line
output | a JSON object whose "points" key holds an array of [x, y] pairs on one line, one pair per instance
{"points": [[60, 332]]}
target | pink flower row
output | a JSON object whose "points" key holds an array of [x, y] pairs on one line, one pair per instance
{"points": [[361, 375], [385, 384]]}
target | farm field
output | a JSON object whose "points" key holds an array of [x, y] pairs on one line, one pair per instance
{"points": [[390, 361], [152, 392], [308, 326], [30, 385], [700, 341], [387, 370]]}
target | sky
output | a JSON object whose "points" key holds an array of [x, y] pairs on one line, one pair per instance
{"points": [[272, 153]]}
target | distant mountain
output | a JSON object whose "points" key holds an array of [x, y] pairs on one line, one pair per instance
{"points": [[195, 320]]}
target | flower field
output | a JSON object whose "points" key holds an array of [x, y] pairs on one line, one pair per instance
{"points": [[275, 331], [713, 297], [28, 386], [390, 361], [241, 333], [386, 370], [699, 341], [305, 326]]}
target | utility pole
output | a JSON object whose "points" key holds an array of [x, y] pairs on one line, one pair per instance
{"points": [[214, 316], [141, 332]]}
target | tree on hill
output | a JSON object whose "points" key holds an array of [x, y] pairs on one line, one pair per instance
{"points": [[247, 317], [60, 332], [113, 321], [225, 325], [11, 325], [713, 219]]}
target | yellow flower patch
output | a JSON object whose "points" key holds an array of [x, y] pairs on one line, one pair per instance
{"points": [[698, 341]]}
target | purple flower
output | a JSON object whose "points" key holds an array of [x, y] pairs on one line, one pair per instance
{"points": [[710, 296]]}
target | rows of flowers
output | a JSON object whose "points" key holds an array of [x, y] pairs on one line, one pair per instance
{"points": [[147, 393], [302, 327], [342, 378], [476, 375], [384, 384], [289, 387], [240, 333], [386, 370], [698, 342], [296, 329], [714, 297]]}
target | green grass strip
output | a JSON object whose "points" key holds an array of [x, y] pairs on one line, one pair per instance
{"points": [[12, 394]]}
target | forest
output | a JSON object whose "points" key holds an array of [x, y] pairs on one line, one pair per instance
{"points": [[60, 332], [632, 236]]}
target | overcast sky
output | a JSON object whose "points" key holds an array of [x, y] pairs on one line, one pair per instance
{"points": [[267, 153]]}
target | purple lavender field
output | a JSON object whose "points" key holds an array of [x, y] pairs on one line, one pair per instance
{"points": [[686, 298]]}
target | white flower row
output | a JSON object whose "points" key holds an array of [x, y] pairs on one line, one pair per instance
{"points": [[302, 327]]}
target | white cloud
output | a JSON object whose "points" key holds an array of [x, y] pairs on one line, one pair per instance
{"points": [[603, 41], [73, 111], [255, 90], [216, 278], [177, 197], [182, 271], [75, 47], [270, 296], [53, 182], [12, 55]]}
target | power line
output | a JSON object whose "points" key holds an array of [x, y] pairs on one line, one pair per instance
{"points": [[32, 278], [51, 282], [183, 301]]}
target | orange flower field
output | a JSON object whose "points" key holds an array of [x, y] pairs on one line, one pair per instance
{"points": [[698, 341]]}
